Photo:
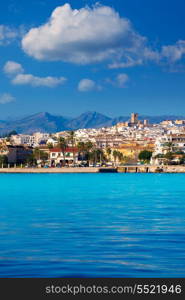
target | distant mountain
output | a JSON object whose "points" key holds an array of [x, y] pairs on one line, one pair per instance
{"points": [[119, 120], [45, 122], [89, 120]]}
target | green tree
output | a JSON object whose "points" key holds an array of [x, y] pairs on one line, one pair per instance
{"points": [[126, 159], [44, 156], [88, 148], [169, 156], [97, 156], [120, 156], [100, 155], [71, 139], [36, 153], [82, 149], [108, 152], [62, 143], [50, 146], [145, 155], [3, 160], [31, 160], [115, 156]]}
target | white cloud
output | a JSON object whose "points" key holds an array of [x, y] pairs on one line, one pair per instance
{"points": [[7, 35], [86, 85], [35, 81], [12, 67], [92, 35], [16, 71], [6, 98], [174, 53], [130, 62], [120, 81], [87, 35]]}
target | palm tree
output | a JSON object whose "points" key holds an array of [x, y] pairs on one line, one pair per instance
{"points": [[93, 156], [50, 146], [44, 157], [126, 159], [82, 149], [62, 143], [3, 160], [115, 155], [100, 155], [108, 152], [88, 147], [120, 156], [97, 156], [71, 139], [169, 156], [36, 153]]}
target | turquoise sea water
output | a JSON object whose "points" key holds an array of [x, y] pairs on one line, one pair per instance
{"points": [[92, 225]]}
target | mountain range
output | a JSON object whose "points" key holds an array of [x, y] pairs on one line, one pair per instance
{"points": [[46, 122]]}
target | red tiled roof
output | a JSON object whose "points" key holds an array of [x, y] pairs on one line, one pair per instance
{"points": [[68, 149]]}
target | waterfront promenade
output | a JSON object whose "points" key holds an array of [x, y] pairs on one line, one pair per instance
{"points": [[123, 169], [50, 170]]}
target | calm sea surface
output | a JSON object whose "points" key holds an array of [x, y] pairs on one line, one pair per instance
{"points": [[92, 225]]}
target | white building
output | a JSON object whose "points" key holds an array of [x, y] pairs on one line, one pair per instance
{"points": [[23, 139], [30, 140], [52, 141], [170, 143], [57, 156]]}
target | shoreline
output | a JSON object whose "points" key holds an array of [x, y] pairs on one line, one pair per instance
{"points": [[124, 169], [49, 170]]}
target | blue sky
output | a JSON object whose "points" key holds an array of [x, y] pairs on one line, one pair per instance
{"points": [[113, 57]]}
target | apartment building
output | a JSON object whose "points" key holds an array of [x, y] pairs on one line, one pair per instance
{"points": [[57, 156], [170, 143]]}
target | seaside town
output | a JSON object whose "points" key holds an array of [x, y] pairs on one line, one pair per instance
{"points": [[134, 142]]}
